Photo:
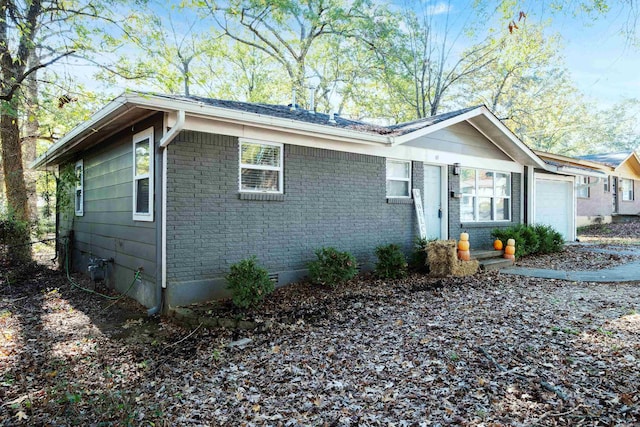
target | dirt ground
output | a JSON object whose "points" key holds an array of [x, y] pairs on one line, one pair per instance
{"points": [[488, 350]]}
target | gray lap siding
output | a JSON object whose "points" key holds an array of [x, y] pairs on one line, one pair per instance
{"points": [[107, 229], [330, 199]]}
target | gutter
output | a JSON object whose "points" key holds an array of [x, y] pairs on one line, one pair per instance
{"points": [[164, 142]]}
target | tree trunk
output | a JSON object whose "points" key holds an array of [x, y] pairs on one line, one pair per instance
{"points": [[16, 189], [31, 132]]}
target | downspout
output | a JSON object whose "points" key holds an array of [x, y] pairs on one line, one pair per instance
{"points": [[164, 142]]}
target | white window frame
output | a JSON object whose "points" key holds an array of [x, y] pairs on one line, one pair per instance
{"points": [[583, 186], [401, 179], [475, 196], [628, 194], [141, 136], [79, 205], [607, 184], [279, 169]]}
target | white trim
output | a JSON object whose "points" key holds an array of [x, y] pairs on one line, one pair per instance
{"points": [[401, 152], [573, 205], [146, 134], [279, 168], [622, 189], [166, 139], [400, 179], [79, 210], [476, 196]]}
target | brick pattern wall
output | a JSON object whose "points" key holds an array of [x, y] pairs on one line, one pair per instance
{"points": [[630, 207], [331, 199], [599, 202], [480, 233]]}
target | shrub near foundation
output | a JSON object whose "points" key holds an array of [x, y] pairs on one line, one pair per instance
{"points": [[536, 239], [249, 283], [332, 268], [392, 263]]}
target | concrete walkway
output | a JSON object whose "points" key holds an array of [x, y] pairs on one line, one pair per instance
{"points": [[629, 272]]}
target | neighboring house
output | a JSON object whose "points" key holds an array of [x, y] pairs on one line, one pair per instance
{"points": [[606, 184], [183, 187]]}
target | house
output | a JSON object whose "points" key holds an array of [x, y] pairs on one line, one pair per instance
{"points": [[606, 184], [181, 188]]}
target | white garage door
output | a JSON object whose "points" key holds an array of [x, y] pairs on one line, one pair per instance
{"points": [[554, 205]]}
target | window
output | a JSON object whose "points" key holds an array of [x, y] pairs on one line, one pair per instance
{"points": [[79, 194], [626, 187], [261, 168], [398, 178], [143, 176], [607, 184], [583, 189], [486, 195]]}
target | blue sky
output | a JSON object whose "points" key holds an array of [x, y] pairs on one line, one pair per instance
{"points": [[602, 63]]}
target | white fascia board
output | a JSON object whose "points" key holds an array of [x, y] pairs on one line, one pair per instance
{"points": [[434, 128], [254, 119], [514, 139], [561, 158], [568, 170], [480, 111], [88, 126], [125, 102]]}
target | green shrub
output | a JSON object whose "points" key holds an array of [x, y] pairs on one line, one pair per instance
{"points": [[332, 267], [549, 239], [249, 283], [392, 263], [418, 258], [538, 239]]}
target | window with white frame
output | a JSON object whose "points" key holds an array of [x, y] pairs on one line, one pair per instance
{"points": [[486, 195], [143, 175], [261, 167], [79, 193], [583, 187], [626, 187], [607, 184], [398, 178]]}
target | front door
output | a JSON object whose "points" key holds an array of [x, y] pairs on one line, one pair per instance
{"points": [[614, 194], [433, 209]]}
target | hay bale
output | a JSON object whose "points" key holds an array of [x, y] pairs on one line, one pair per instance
{"points": [[443, 260]]}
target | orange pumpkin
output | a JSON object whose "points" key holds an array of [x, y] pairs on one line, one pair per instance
{"points": [[463, 245], [464, 236], [464, 255], [510, 250], [511, 242], [497, 245], [511, 257]]}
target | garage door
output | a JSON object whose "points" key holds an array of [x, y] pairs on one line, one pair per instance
{"points": [[554, 205]]}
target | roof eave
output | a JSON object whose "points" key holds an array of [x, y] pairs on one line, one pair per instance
{"points": [[467, 116], [126, 102], [256, 119], [109, 112]]}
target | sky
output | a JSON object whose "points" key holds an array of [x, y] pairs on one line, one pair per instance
{"points": [[602, 63]]}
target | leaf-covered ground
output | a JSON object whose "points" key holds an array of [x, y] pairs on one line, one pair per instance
{"points": [[487, 350], [626, 233], [580, 257]]}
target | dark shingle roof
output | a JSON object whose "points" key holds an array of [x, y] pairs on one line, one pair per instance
{"points": [[609, 159], [303, 115], [408, 127]]}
